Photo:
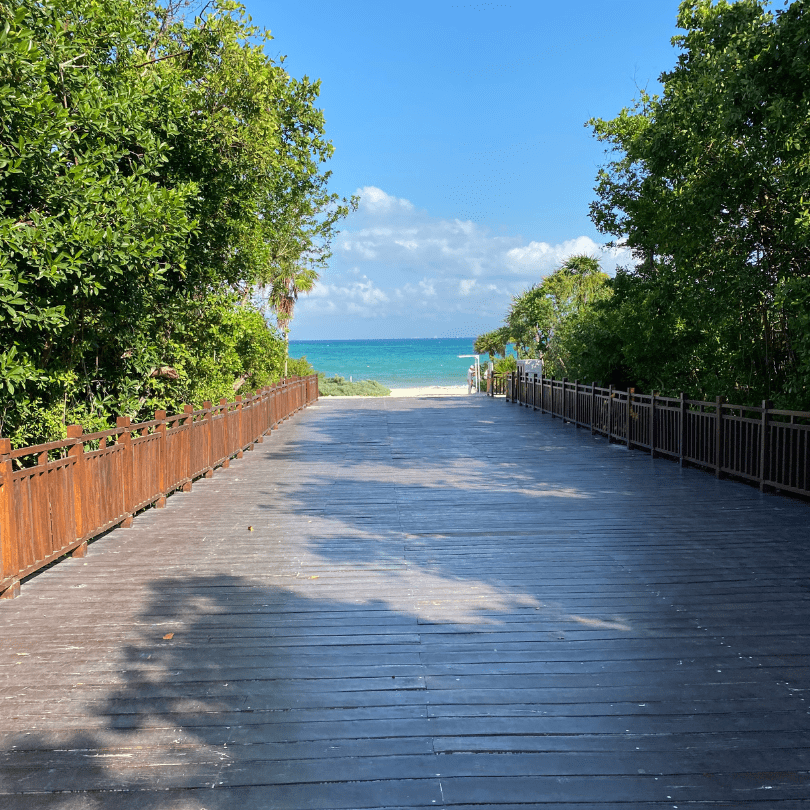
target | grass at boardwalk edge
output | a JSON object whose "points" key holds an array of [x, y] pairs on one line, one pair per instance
{"points": [[336, 386], [340, 387]]}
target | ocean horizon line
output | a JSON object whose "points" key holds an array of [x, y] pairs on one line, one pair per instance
{"points": [[373, 340]]}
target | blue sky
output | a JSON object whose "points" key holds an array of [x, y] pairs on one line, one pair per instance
{"points": [[461, 125]]}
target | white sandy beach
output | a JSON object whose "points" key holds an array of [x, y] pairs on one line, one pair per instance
{"points": [[431, 391]]}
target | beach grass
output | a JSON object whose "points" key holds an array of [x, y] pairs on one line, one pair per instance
{"points": [[341, 387]]}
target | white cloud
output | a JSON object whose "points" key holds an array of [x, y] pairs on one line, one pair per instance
{"points": [[393, 260], [375, 200], [358, 297], [543, 257]]}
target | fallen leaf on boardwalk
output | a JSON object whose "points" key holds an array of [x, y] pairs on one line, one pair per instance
{"points": [[250, 528], [316, 577], [168, 636]]}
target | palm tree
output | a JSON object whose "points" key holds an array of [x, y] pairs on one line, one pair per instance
{"points": [[492, 343], [289, 280]]}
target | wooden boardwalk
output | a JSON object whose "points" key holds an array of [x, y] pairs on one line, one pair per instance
{"points": [[421, 603]]}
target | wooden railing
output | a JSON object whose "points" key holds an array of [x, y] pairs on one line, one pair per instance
{"points": [[496, 384], [758, 443], [64, 493]]}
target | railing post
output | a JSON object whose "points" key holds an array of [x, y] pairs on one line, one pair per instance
{"points": [[630, 392], [267, 411], [128, 475], [239, 426], [576, 403], [682, 442], [718, 437], [187, 422], [9, 557], [593, 405], [163, 458], [209, 437], [223, 403], [764, 445], [564, 409], [610, 413], [534, 392], [551, 395], [652, 424], [77, 451]]}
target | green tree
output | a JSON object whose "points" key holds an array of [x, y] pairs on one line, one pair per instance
{"points": [[288, 282], [541, 319], [154, 175], [708, 187], [88, 235]]}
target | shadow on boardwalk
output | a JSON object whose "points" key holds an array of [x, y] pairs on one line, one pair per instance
{"points": [[436, 604]]}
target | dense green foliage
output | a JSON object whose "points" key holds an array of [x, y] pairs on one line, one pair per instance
{"points": [[340, 387], [156, 176], [299, 367], [708, 185]]}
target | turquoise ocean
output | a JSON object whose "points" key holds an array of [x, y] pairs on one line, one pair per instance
{"points": [[406, 363]]}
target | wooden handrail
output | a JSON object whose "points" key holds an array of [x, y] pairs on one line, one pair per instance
{"points": [[74, 489], [758, 443]]}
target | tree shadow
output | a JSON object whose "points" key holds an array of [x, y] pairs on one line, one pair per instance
{"points": [[260, 696]]}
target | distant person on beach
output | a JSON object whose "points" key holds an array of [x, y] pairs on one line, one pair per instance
{"points": [[470, 379]]}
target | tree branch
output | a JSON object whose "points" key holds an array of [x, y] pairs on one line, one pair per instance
{"points": [[162, 58]]}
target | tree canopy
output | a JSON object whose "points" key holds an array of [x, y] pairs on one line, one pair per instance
{"points": [[541, 320], [708, 185], [155, 175]]}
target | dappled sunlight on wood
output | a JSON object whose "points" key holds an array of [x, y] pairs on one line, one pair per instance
{"points": [[601, 623]]}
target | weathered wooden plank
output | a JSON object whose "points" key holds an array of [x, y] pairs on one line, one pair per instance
{"points": [[437, 602]]}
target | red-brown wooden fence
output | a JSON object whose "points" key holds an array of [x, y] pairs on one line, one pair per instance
{"points": [[73, 493], [758, 443]]}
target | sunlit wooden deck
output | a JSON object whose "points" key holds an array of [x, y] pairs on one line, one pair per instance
{"points": [[420, 603]]}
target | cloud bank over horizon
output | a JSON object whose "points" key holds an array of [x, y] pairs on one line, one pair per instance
{"points": [[397, 272]]}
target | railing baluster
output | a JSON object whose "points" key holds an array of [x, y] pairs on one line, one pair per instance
{"points": [[128, 472], [629, 416], [764, 445], [718, 437]]}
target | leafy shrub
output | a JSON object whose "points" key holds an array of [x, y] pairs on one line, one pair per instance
{"points": [[299, 367], [505, 365]]}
